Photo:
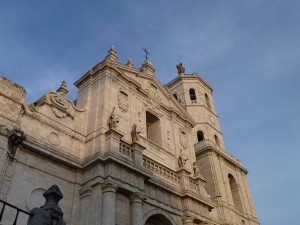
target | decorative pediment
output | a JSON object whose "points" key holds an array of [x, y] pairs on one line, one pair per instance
{"points": [[61, 105]]}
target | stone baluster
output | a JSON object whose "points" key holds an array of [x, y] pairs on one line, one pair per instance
{"points": [[136, 209], [109, 190]]}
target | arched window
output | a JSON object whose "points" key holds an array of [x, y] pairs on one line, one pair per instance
{"points": [[175, 96], [153, 128], [207, 101], [217, 142], [235, 193], [200, 135], [193, 94]]}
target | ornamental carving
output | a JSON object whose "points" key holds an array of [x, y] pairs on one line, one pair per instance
{"points": [[152, 92], [123, 101], [140, 123], [60, 104], [169, 141], [183, 138], [53, 138], [182, 160]]}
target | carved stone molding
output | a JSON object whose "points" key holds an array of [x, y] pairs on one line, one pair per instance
{"points": [[4, 130], [35, 198], [183, 138], [136, 197], [152, 91], [60, 104], [169, 140], [53, 138], [85, 191], [15, 139]]}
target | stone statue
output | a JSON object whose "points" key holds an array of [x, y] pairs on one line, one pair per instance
{"points": [[196, 169], [182, 160], [135, 133], [113, 120], [180, 68]]}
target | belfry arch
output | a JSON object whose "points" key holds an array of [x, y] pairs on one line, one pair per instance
{"points": [[158, 217]]}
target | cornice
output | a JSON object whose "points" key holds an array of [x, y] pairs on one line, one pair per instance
{"points": [[50, 152], [223, 154], [189, 77]]}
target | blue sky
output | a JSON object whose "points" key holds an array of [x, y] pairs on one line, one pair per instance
{"points": [[247, 50]]}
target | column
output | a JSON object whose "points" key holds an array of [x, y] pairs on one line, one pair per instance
{"points": [[136, 209], [187, 220], [108, 204]]}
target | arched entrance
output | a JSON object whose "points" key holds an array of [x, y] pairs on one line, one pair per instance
{"points": [[157, 219]]}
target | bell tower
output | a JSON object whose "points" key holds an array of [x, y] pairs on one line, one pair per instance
{"points": [[195, 94], [224, 174]]}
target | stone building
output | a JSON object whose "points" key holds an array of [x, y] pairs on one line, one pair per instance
{"points": [[127, 151]]}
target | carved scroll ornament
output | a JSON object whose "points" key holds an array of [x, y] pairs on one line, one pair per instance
{"points": [[60, 104]]}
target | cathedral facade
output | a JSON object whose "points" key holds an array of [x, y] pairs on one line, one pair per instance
{"points": [[127, 151]]}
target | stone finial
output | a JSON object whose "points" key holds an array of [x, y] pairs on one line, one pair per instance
{"points": [[63, 88], [147, 67], [112, 54], [180, 68], [50, 212], [53, 195], [129, 63]]}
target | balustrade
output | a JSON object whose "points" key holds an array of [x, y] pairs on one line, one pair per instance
{"points": [[126, 150], [160, 169], [194, 185]]}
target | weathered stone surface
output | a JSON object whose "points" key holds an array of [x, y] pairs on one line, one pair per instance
{"points": [[128, 147]]}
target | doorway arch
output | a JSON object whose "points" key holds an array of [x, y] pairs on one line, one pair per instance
{"points": [[158, 217]]}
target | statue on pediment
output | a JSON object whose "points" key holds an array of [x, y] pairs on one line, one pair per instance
{"points": [[135, 133], [182, 160], [180, 68], [113, 120]]}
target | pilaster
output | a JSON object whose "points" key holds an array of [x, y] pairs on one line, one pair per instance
{"points": [[138, 153], [113, 138], [184, 178]]}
